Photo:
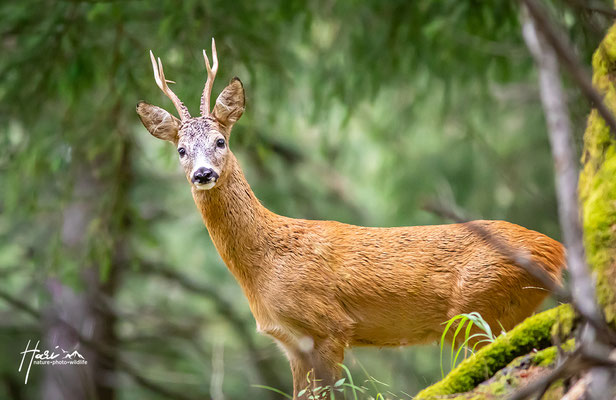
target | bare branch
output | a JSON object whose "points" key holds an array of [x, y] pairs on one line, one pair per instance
{"points": [[7, 271], [597, 8], [569, 60], [565, 169], [20, 305], [579, 360], [589, 353], [602, 10], [517, 257], [565, 368]]}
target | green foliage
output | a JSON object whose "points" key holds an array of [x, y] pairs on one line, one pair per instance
{"points": [[472, 319]]}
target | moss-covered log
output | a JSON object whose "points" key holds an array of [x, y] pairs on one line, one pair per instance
{"points": [[535, 333], [515, 375]]}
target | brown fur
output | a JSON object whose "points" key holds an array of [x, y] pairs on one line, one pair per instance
{"points": [[318, 287]]}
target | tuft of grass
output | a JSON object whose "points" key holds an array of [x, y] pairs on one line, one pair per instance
{"points": [[345, 386], [470, 320]]}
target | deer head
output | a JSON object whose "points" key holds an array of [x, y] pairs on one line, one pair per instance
{"points": [[201, 142]]}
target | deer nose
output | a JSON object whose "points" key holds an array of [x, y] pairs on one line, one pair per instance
{"points": [[204, 175]]}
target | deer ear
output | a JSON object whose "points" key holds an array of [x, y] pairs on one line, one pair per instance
{"points": [[158, 122], [230, 104]]}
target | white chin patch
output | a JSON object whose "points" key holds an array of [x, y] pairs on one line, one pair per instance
{"points": [[204, 186]]}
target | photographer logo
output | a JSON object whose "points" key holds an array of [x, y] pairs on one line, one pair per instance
{"points": [[58, 356]]}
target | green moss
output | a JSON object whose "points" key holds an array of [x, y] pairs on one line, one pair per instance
{"points": [[515, 375], [599, 205], [555, 392], [534, 333], [597, 184], [546, 357]]}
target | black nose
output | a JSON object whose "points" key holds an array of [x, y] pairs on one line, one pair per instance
{"points": [[204, 175]]}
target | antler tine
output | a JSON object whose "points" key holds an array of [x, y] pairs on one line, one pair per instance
{"points": [[211, 75], [159, 77]]}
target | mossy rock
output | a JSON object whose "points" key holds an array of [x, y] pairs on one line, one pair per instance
{"points": [[535, 333]]}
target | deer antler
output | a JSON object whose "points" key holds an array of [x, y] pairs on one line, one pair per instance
{"points": [[159, 76], [211, 74]]}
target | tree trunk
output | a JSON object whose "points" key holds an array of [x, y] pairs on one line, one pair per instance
{"points": [[598, 182], [87, 312]]}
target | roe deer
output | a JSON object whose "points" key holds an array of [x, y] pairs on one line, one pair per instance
{"points": [[318, 287]]}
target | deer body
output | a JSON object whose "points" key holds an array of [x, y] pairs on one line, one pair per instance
{"points": [[367, 286], [318, 287]]}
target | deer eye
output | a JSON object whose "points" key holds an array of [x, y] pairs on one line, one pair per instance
{"points": [[220, 143], [182, 151]]}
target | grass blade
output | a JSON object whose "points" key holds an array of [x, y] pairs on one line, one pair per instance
{"points": [[280, 392]]}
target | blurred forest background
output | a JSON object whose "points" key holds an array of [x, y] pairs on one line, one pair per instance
{"points": [[356, 111]]}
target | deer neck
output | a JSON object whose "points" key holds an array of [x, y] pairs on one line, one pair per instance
{"points": [[237, 222]]}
